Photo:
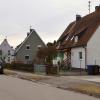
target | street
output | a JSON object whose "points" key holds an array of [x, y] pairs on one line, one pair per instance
{"points": [[17, 89]]}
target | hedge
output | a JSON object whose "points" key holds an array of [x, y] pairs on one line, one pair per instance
{"points": [[50, 70], [20, 66]]}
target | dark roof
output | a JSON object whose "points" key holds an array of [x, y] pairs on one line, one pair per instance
{"points": [[84, 29]]}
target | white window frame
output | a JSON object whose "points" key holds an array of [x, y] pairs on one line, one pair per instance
{"points": [[39, 46], [72, 38], [80, 55], [76, 39], [67, 38], [25, 56]]}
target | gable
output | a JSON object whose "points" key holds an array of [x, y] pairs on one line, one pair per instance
{"points": [[33, 40], [95, 39], [83, 28], [5, 46]]}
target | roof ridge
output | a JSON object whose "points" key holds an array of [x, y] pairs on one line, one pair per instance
{"points": [[89, 22], [24, 41]]}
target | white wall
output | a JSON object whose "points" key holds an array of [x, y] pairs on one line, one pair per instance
{"points": [[75, 60], [5, 47], [93, 49]]}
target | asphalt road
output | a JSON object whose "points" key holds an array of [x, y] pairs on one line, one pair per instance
{"points": [[18, 89]]}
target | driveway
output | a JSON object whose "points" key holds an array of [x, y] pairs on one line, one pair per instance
{"points": [[90, 78], [17, 89]]}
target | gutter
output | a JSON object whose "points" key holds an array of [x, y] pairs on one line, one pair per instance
{"points": [[85, 48]]}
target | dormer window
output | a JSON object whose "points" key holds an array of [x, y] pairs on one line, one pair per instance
{"points": [[72, 38], [76, 39], [67, 38], [27, 47]]}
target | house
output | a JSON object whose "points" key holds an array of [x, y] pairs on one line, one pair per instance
{"points": [[26, 52], [6, 51], [80, 42]]}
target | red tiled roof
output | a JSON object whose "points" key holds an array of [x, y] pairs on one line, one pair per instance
{"points": [[84, 29]]}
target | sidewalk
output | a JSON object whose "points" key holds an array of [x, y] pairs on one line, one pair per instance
{"points": [[25, 75], [84, 84]]}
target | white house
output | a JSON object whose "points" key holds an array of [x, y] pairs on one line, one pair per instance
{"points": [[81, 40], [6, 51]]}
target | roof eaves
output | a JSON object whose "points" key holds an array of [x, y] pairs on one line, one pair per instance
{"points": [[24, 42]]}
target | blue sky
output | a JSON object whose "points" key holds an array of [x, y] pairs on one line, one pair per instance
{"points": [[48, 17]]}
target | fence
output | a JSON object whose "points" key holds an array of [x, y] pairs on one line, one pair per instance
{"points": [[39, 68]]}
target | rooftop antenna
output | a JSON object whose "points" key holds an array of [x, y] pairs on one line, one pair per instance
{"points": [[6, 37], [89, 6], [30, 27]]}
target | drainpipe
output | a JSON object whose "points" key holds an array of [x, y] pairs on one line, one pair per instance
{"points": [[85, 48]]}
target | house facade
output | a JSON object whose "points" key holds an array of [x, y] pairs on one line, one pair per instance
{"points": [[26, 52], [6, 51], [80, 41]]}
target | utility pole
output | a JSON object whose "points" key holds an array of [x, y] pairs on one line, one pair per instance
{"points": [[99, 2], [89, 6]]}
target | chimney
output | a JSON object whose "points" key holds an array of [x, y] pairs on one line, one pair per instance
{"points": [[78, 17], [32, 30], [28, 33], [97, 8]]}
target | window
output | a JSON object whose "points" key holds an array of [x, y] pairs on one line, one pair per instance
{"points": [[76, 39], [8, 52], [39, 46], [8, 59], [80, 55], [72, 38], [67, 38], [27, 57], [27, 47]]}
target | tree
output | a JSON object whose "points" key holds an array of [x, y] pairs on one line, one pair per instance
{"points": [[46, 54]]}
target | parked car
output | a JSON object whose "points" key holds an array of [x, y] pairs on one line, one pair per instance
{"points": [[2, 64]]}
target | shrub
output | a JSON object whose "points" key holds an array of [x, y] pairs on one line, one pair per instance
{"points": [[20, 66], [51, 70]]}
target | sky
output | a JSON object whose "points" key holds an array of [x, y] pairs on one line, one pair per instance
{"points": [[48, 17]]}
